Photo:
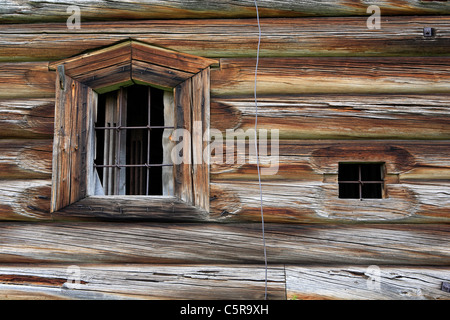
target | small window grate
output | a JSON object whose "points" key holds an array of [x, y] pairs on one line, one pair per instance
{"points": [[361, 180], [131, 163]]}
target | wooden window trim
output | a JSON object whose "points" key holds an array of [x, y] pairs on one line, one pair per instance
{"points": [[78, 82]]}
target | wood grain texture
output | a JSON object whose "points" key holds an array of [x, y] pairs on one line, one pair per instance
{"points": [[296, 116], [335, 75], [25, 159], [26, 80], [78, 243], [69, 144], [220, 38], [200, 127], [221, 282], [338, 116], [16, 11], [27, 200], [131, 208], [168, 282], [365, 283], [316, 202], [281, 76], [31, 118], [303, 189]]}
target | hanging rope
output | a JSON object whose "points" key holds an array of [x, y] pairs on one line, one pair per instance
{"points": [[257, 151]]}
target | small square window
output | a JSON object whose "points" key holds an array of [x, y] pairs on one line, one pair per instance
{"points": [[361, 180]]}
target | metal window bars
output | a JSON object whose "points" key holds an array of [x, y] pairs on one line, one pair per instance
{"points": [[114, 152], [361, 182]]}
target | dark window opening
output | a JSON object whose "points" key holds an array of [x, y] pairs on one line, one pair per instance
{"points": [[361, 180], [129, 148]]}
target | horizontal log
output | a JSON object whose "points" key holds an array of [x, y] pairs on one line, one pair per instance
{"points": [[222, 282], [283, 76], [25, 159], [296, 116], [321, 36], [366, 283], [353, 75], [338, 116], [78, 243], [316, 202], [304, 173], [168, 282], [25, 199], [31, 118], [310, 160], [50, 10], [26, 80]]}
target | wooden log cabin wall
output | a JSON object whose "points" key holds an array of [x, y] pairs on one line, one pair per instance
{"points": [[337, 91]]}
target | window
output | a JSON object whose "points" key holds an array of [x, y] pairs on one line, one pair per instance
{"points": [[115, 110], [132, 147], [361, 180]]}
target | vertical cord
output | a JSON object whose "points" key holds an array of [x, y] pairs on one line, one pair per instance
{"points": [[257, 151]]}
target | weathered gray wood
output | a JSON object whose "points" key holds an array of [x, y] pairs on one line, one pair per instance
{"points": [[25, 199], [169, 282], [317, 202], [366, 283], [225, 282], [51, 10], [354, 75], [324, 36], [128, 208], [305, 173], [78, 243], [338, 116]]}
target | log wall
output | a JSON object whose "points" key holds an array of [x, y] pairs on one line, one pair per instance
{"points": [[336, 91]]}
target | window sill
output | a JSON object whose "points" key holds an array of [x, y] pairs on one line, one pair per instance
{"points": [[142, 208]]}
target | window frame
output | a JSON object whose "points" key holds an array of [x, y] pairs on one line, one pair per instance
{"points": [[79, 80]]}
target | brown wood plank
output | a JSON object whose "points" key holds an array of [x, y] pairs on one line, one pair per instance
{"points": [[109, 78], [78, 243], [168, 282], [18, 11], [338, 116], [131, 208], [183, 121], [25, 159], [200, 125], [25, 199], [332, 75], [61, 144], [151, 74], [281, 76], [321, 36], [169, 59], [31, 118], [26, 80], [365, 283]]}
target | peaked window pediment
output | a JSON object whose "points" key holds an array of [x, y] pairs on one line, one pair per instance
{"points": [[130, 62], [80, 80]]}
